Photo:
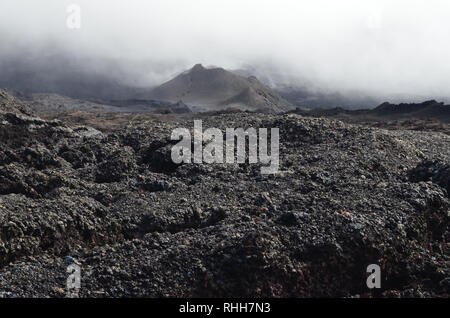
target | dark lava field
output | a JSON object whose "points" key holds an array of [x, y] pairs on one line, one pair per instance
{"points": [[345, 196]]}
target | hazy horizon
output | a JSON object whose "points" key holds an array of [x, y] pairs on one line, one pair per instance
{"points": [[379, 48]]}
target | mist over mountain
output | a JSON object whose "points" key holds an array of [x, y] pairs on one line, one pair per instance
{"points": [[352, 51], [94, 77], [79, 75]]}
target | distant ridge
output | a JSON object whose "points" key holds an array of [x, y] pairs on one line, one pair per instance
{"points": [[216, 89], [431, 109]]}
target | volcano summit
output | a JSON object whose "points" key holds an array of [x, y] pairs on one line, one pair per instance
{"points": [[211, 89]]}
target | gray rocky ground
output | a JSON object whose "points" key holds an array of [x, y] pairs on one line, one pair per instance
{"points": [[345, 197]]}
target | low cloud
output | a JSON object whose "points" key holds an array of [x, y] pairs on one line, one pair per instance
{"points": [[382, 48]]}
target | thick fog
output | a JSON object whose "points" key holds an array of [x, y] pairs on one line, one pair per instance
{"points": [[382, 48]]}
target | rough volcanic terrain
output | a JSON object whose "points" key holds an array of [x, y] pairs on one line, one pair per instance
{"points": [[345, 196], [51, 105]]}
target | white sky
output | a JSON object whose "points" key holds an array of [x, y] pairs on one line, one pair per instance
{"points": [[381, 47]]}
